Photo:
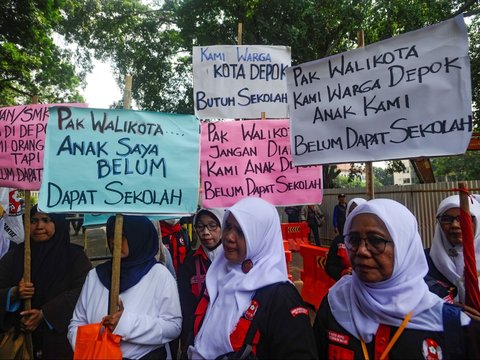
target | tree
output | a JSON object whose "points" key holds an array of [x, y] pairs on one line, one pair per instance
{"points": [[30, 61], [384, 177], [454, 168]]}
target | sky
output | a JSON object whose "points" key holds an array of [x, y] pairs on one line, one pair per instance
{"points": [[101, 90]]}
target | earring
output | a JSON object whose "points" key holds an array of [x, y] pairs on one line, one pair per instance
{"points": [[247, 265]]}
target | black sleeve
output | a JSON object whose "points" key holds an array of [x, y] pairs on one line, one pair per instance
{"points": [[333, 266], [188, 301], [6, 264], [288, 333], [320, 329], [59, 310]]}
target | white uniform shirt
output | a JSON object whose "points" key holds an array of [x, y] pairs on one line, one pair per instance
{"points": [[151, 316]]}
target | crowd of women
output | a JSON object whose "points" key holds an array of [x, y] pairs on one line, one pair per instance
{"points": [[232, 298]]}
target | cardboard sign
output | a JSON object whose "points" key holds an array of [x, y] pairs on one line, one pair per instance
{"points": [[120, 161], [405, 97], [22, 140], [240, 81], [252, 158]]}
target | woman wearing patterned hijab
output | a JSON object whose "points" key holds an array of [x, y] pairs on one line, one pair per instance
{"points": [[446, 262], [149, 309], [58, 270], [385, 308], [248, 285]]}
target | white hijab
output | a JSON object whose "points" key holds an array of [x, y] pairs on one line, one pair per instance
{"points": [[356, 201], [217, 214], [230, 289], [453, 267], [360, 307]]}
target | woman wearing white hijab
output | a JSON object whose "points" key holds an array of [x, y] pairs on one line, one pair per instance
{"points": [[446, 260], [385, 295], [253, 259]]}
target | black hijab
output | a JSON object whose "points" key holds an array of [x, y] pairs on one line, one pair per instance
{"points": [[49, 259], [143, 245]]}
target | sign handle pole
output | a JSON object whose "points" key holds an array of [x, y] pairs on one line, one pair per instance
{"points": [[118, 232], [368, 165]]}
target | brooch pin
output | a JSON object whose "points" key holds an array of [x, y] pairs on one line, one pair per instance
{"points": [[247, 265], [452, 252]]}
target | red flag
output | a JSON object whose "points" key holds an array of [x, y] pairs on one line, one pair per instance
{"points": [[472, 293]]}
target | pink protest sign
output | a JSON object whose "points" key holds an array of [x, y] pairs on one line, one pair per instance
{"points": [[252, 158], [22, 140]]}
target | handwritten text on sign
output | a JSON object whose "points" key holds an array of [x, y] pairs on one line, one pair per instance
{"points": [[22, 140], [240, 81], [99, 160], [405, 97], [252, 158]]}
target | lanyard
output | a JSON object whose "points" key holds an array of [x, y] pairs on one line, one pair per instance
{"points": [[393, 340]]}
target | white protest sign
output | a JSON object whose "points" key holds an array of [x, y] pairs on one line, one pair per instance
{"points": [[404, 97], [240, 81]]}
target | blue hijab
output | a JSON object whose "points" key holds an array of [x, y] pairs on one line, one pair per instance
{"points": [[143, 245]]}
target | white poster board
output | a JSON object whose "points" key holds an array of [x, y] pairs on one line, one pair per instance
{"points": [[405, 97], [240, 81]]}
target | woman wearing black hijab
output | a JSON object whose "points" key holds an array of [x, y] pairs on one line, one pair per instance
{"points": [[58, 270], [149, 315]]}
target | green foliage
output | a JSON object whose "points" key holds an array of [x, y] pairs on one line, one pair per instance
{"points": [[457, 168], [30, 62], [382, 177]]}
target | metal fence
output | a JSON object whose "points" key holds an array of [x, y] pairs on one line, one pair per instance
{"points": [[421, 199]]}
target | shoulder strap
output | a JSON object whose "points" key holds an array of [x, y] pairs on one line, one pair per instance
{"points": [[452, 329], [262, 296]]}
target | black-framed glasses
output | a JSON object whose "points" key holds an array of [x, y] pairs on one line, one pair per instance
{"points": [[210, 226], [448, 219], [374, 243]]}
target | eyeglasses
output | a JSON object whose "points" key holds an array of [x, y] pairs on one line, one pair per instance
{"points": [[45, 220], [209, 226], [374, 243], [448, 219]]}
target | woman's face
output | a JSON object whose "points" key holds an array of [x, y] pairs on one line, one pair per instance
{"points": [[208, 231], [233, 240], [124, 250], [371, 264], [450, 224], [42, 227]]}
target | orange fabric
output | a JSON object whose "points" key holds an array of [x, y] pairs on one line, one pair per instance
{"points": [[92, 343]]}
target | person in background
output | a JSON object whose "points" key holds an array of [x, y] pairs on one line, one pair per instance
{"points": [[337, 263], [339, 214], [384, 309], [149, 314], [192, 273], [248, 289], [163, 256], [58, 270], [293, 213], [315, 219], [445, 257]]}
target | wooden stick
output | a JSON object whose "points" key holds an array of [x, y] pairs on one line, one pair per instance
{"points": [[240, 34], [118, 232], [368, 165]]}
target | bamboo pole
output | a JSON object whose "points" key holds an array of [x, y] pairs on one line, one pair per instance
{"points": [[118, 232], [368, 165], [240, 34]]}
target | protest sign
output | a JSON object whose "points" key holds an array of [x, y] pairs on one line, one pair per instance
{"points": [[120, 161], [240, 81], [22, 140], [252, 158], [405, 97]]}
